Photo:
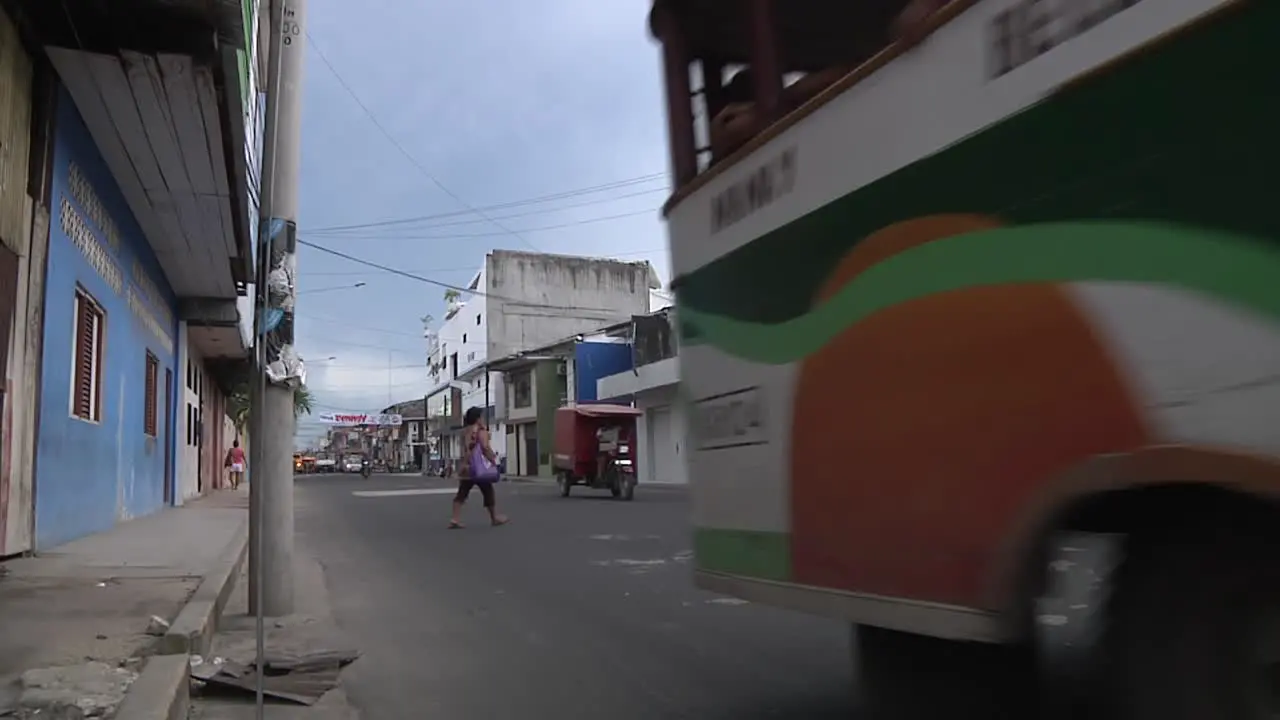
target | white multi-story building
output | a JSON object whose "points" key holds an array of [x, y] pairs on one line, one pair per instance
{"points": [[516, 301]]}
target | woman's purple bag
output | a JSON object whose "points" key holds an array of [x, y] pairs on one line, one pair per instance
{"points": [[481, 469]]}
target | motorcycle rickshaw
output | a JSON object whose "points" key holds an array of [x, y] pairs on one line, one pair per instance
{"points": [[595, 446]]}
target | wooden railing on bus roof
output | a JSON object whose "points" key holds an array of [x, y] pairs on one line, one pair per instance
{"points": [[944, 15]]}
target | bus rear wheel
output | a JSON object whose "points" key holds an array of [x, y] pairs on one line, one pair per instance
{"points": [[1193, 627]]}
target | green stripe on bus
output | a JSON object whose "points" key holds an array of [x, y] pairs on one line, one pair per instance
{"points": [[1227, 266], [765, 555]]}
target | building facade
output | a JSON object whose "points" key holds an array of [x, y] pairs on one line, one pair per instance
{"points": [[406, 443], [107, 408], [653, 384], [540, 380], [517, 301], [25, 149], [124, 223], [457, 361]]}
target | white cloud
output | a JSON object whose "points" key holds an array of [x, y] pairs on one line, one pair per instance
{"points": [[362, 380]]}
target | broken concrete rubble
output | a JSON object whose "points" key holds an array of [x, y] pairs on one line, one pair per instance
{"points": [[158, 626], [73, 692]]}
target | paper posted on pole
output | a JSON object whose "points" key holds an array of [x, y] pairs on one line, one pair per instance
{"points": [[283, 366]]}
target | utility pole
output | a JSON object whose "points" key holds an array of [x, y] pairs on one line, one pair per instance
{"points": [[271, 580]]}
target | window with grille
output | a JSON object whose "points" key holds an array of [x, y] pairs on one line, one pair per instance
{"points": [[150, 387], [86, 363], [522, 390]]}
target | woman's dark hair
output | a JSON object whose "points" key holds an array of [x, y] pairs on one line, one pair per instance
{"points": [[235, 443], [472, 417]]}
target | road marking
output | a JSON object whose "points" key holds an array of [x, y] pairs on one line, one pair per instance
{"points": [[400, 493]]}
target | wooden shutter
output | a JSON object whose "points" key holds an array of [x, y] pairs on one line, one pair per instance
{"points": [[86, 401], [149, 411]]}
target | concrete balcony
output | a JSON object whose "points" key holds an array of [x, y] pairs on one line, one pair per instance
{"points": [[161, 87]]}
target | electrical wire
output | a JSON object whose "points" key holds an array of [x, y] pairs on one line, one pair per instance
{"points": [[458, 223], [467, 269], [331, 229], [384, 348], [561, 226], [357, 326], [408, 156], [439, 283]]}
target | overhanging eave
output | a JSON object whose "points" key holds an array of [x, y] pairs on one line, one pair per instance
{"points": [[160, 122], [209, 312]]}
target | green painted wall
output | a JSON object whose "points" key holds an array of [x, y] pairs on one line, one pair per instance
{"points": [[548, 388]]}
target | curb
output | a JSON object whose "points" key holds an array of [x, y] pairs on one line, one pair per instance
{"points": [[161, 692], [192, 631]]}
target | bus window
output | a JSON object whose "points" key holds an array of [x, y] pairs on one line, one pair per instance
{"points": [[734, 69]]}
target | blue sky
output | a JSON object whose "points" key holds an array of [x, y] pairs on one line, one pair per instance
{"points": [[501, 101]]}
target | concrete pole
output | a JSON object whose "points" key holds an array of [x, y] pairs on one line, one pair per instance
{"points": [[271, 581]]}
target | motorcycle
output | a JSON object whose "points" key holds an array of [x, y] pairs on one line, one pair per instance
{"points": [[366, 469]]}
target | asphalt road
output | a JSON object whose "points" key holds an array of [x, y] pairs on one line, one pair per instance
{"points": [[579, 608]]}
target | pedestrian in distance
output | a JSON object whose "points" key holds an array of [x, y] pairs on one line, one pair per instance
{"points": [[235, 464], [479, 470]]}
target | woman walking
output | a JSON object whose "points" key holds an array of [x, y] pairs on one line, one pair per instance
{"points": [[479, 470], [235, 463]]}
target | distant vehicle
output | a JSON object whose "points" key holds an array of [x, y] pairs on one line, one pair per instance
{"points": [[352, 464], [593, 447], [326, 465]]}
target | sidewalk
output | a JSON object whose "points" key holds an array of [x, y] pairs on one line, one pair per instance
{"points": [[78, 615], [311, 629]]}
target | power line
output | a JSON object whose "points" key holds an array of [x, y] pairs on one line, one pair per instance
{"points": [[437, 283], [333, 229], [467, 269], [357, 325], [384, 348], [371, 368], [372, 385], [387, 133], [456, 223], [561, 226]]}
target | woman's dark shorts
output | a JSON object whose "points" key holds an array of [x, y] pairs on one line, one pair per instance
{"points": [[486, 490]]}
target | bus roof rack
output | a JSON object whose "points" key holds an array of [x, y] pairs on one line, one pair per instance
{"points": [[815, 33]]}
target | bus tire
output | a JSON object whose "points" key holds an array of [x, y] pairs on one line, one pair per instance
{"points": [[1193, 626], [903, 676]]}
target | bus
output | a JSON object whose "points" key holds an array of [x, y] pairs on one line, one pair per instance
{"points": [[979, 320]]}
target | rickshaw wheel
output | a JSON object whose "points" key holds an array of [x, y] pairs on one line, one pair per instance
{"points": [[565, 486]]}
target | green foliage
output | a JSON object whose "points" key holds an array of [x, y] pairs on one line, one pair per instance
{"points": [[238, 404]]}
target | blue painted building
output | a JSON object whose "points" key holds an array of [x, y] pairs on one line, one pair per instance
{"points": [[105, 450], [595, 360]]}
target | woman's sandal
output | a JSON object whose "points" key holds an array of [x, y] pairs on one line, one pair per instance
{"points": [[455, 525], [503, 521]]}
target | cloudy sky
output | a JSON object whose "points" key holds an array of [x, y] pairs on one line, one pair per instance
{"points": [[546, 116]]}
